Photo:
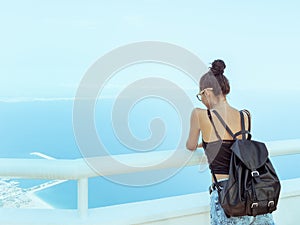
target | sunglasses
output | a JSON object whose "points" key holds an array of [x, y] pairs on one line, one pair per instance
{"points": [[202, 92]]}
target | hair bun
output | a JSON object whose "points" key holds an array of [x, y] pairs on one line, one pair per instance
{"points": [[218, 67]]}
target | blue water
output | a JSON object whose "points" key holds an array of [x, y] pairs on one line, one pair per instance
{"points": [[46, 127]]}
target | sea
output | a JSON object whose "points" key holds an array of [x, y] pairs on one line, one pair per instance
{"points": [[46, 126]]}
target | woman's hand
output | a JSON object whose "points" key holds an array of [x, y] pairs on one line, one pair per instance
{"points": [[200, 145]]}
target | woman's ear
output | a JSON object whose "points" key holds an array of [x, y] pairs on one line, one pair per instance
{"points": [[206, 93]]}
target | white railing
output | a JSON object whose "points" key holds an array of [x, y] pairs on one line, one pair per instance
{"points": [[77, 169]]}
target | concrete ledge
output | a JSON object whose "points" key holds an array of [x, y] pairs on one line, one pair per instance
{"points": [[287, 212], [158, 211]]}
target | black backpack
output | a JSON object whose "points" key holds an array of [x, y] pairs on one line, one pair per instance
{"points": [[253, 186]]}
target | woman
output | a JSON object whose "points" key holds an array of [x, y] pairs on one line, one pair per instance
{"points": [[216, 141]]}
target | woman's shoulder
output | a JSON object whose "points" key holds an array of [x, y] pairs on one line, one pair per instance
{"points": [[245, 112], [200, 113]]}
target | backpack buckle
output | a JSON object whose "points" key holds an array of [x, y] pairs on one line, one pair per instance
{"points": [[254, 204], [255, 173], [271, 203]]}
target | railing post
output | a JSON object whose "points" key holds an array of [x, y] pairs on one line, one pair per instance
{"points": [[82, 199]]}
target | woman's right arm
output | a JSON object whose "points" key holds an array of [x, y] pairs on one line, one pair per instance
{"points": [[193, 138]]}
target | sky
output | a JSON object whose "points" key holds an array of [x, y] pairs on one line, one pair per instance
{"points": [[47, 46]]}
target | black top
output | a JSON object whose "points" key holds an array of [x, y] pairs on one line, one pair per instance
{"points": [[218, 154]]}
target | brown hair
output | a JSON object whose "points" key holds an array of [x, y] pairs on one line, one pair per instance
{"points": [[216, 79]]}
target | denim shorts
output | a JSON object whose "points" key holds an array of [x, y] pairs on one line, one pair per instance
{"points": [[218, 217]]}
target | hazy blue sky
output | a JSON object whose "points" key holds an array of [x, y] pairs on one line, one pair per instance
{"points": [[47, 45]]}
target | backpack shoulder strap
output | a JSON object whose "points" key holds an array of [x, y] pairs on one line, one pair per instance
{"points": [[243, 131], [249, 118], [213, 124], [224, 124], [217, 134]]}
